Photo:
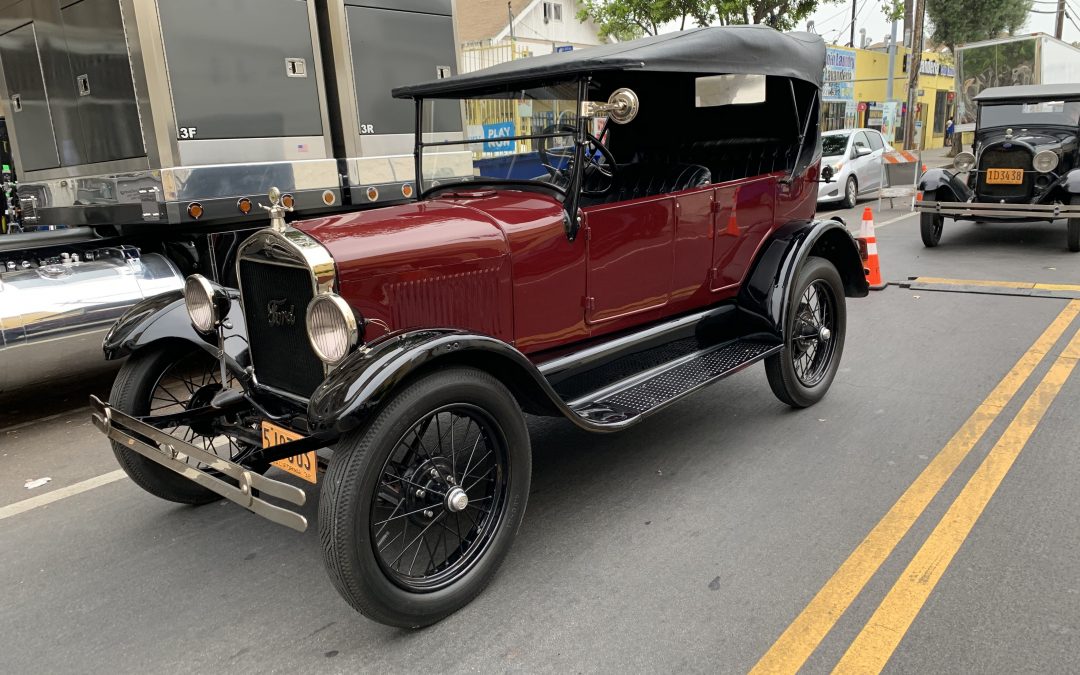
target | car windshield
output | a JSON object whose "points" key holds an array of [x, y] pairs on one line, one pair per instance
{"points": [[1062, 113], [834, 144], [521, 136]]}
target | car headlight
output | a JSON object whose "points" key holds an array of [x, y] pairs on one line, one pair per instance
{"points": [[1045, 161], [332, 327], [206, 302], [965, 161]]}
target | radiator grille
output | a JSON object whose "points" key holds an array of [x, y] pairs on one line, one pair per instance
{"points": [[1015, 157], [275, 299]]}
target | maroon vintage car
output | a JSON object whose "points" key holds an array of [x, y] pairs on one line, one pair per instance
{"points": [[610, 230]]}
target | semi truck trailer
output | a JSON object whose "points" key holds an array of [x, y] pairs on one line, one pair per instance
{"points": [[145, 133]]}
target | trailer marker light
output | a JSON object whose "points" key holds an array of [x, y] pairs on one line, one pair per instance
{"points": [[372, 194], [244, 205], [195, 210], [287, 200], [328, 197], [407, 190]]}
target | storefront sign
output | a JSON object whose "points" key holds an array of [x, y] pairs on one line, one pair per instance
{"points": [[839, 74]]}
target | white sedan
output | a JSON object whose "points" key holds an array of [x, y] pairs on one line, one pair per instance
{"points": [[855, 158]]}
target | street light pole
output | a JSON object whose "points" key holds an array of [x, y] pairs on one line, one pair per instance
{"points": [[914, 61], [853, 23]]}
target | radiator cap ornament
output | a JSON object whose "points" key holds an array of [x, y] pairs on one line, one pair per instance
{"points": [[276, 210]]}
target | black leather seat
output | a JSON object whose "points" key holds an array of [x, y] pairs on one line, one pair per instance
{"points": [[648, 179]]}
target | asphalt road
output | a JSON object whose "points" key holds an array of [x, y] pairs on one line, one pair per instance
{"points": [[920, 519]]}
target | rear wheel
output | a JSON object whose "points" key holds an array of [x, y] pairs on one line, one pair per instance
{"points": [[420, 507], [1074, 234], [815, 327], [930, 226]]}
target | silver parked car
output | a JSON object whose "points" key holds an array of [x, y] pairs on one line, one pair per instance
{"points": [[855, 158]]}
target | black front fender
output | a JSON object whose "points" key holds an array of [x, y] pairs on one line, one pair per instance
{"points": [[764, 298], [164, 317], [357, 387], [945, 186]]}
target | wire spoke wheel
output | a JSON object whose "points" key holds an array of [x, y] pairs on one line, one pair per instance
{"points": [[191, 382], [440, 497], [814, 335]]}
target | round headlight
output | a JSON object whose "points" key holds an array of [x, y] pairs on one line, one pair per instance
{"points": [[965, 161], [199, 300], [1045, 161], [206, 302], [331, 327]]}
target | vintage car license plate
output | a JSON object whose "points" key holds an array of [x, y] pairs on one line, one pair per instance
{"points": [[303, 466], [1005, 176]]}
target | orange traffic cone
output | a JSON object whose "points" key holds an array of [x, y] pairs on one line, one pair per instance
{"points": [[868, 248]]}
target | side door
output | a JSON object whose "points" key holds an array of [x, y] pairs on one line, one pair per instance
{"points": [[877, 145], [630, 257], [744, 217], [862, 164]]}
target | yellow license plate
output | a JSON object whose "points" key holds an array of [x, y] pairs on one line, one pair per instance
{"points": [[302, 466], [1005, 176]]}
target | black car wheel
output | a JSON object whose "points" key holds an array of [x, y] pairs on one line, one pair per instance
{"points": [[801, 374], [420, 507], [1074, 234], [930, 226], [851, 192], [162, 380]]}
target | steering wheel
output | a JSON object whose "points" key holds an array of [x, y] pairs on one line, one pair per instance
{"points": [[558, 161]]}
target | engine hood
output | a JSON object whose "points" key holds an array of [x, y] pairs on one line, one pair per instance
{"points": [[406, 238], [1039, 140]]}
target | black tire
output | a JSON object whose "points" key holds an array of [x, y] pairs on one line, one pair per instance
{"points": [[359, 487], [1074, 234], [133, 392], [851, 192], [930, 226], [802, 389]]}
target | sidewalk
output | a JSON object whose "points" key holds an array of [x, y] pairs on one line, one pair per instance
{"points": [[936, 158]]}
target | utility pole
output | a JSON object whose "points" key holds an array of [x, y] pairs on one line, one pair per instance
{"points": [[852, 43], [914, 61], [1059, 20], [892, 63]]}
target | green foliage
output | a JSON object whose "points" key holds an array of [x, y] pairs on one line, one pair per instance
{"points": [[959, 21], [627, 19], [893, 10]]}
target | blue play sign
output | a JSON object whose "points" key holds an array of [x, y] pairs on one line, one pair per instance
{"points": [[495, 131]]}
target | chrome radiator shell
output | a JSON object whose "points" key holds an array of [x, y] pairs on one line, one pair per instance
{"points": [[53, 317]]}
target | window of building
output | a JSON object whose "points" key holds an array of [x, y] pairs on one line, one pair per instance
{"points": [[552, 11], [941, 107]]}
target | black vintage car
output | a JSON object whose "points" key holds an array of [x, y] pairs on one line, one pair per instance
{"points": [[1026, 165]]}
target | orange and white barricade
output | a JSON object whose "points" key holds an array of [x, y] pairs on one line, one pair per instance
{"points": [[899, 176]]}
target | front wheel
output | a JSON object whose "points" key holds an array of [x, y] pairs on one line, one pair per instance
{"points": [[814, 329], [1074, 234], [420, 507], [851, 192], [930, 226]]}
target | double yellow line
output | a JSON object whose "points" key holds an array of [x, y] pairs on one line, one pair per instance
{"points": [[874, 645]]}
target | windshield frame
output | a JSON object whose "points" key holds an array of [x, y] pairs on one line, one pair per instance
{"points": [[570, 194], [1019, 122]]}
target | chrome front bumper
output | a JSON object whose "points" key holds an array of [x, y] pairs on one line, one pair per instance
{"points": [[992, 210], [171, 453]]}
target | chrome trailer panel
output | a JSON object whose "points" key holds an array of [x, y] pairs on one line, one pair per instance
{"points": [[53, 317]]}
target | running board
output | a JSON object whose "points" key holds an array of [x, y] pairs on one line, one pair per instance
{"points": [[627, 401]]}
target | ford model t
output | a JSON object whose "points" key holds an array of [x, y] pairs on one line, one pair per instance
{"points": [[1025, 165], [612, 230]]}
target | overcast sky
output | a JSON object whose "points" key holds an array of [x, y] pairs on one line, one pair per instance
{"points": [[833, 21]]}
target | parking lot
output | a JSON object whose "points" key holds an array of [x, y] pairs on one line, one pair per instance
{"points": [[922, 518]]}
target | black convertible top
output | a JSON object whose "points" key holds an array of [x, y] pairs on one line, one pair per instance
{"points": [[752, 49], [1030, 92]]}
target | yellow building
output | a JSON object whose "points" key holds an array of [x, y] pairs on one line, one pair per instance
{"points": [[936, 100]]}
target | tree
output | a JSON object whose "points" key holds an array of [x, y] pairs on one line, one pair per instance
{"points": [[959, 21], [626, 19], [629, 19]]}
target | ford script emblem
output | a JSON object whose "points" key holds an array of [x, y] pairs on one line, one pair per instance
{"points": [[279, 313]]}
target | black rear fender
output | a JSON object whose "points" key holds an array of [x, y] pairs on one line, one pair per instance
{"points": [[763, 299]]}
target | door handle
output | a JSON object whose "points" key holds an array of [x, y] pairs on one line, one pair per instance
{"points": [[16, 102], [83, 83]]}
